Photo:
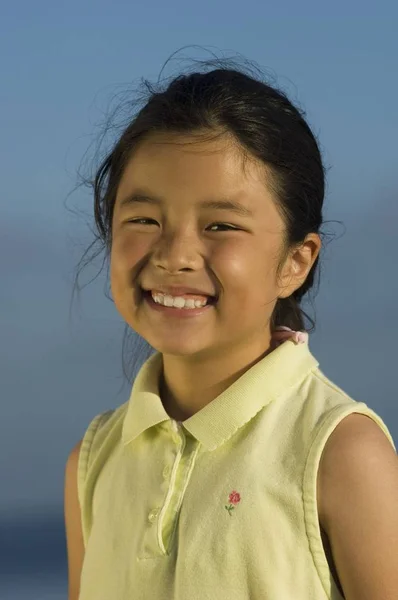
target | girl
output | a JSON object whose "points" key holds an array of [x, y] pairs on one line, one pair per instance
{"points": [[236, 470]]}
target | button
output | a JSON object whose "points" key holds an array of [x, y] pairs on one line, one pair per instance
{"points": [[166, 471], [152, 515]]}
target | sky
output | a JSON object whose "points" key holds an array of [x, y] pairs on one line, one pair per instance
{"points": [[61, 67]]}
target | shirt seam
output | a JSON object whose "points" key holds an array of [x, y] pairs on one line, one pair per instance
{"points": [[85, 452]]}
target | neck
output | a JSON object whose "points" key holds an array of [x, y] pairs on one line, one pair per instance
{"points": [[188, 384]]}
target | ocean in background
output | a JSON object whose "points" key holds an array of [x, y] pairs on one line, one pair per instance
{"points": [[33, 560]]}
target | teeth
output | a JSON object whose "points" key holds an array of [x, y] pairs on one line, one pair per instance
{"points": [[168, 301], [178, 301]]}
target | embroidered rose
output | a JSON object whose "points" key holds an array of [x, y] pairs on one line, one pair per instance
{"points": [[234, 499]]}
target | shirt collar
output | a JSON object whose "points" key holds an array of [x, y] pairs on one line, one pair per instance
{"points": [[214, 424]]}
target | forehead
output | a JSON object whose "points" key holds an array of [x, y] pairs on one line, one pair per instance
{"points": [[193, 163], [201, 148]]}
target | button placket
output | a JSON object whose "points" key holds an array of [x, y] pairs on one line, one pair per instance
{"points": [[180, 441], [163, 512], [161, 516], [153, 515]]}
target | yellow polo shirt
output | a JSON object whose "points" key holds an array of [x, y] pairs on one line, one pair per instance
{"points": [[222, 506]]}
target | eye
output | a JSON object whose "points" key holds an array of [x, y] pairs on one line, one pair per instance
{"points": [[223, 226], [142, 221]]}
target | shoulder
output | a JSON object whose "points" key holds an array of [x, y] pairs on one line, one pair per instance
{"points": [[73, 524], [100, 438], [73, 457], [102, 424], [356, 450], [71, 471], [357, 500]]}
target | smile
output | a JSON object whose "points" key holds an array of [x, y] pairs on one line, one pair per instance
{"points": [[185, 302], [178, 306]]}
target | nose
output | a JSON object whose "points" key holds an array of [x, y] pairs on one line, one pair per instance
{"points": [[177, 252]]}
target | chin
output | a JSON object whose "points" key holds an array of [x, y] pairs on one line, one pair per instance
{"points": [[174, 349], [174, 346]]}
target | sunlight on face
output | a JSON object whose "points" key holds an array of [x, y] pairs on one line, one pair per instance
{"points": [[189, 215]]}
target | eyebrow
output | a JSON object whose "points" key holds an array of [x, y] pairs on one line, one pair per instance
{"points": [[221, 204]]}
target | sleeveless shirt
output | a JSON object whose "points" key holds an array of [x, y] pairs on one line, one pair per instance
{"points": [[222, 506]]}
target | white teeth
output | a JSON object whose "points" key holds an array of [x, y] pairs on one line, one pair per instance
{"points": [[168, 300], [178, 301]]}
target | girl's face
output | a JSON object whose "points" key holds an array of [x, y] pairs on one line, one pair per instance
{"points": [[187, 216]]}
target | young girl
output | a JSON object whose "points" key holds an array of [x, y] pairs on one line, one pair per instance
{"points": [[236, 470]]}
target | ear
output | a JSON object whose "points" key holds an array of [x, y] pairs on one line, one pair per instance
{"points": [[297, 264]]}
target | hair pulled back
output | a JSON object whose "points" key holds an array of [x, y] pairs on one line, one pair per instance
{"points": [[221, 98]]}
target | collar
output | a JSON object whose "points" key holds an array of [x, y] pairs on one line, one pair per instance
{"points": [[214, 424]]}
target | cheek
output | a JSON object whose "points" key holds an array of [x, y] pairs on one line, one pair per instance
{"points": [[245, 269], [127, 251], [126, 254]]}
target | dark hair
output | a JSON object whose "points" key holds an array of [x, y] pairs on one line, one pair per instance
{"points": [[265, 124]]}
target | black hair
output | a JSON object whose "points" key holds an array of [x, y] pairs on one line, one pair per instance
{"points": [[222, 98]]}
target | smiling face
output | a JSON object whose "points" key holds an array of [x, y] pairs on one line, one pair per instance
{"points": [[171, 228]]}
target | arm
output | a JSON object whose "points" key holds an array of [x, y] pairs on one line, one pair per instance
{"points": [[359, 508], [73, 527]]}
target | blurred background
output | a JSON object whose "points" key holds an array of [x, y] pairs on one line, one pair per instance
{"points": [[60, 66]]}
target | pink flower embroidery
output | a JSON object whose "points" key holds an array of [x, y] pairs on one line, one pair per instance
{"points": [[234, 498]]}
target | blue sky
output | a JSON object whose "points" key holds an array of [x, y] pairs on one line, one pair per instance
{"points": [[60, 65]]}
